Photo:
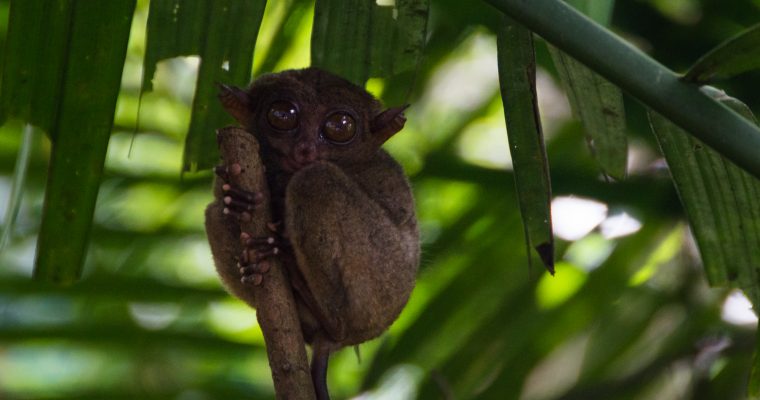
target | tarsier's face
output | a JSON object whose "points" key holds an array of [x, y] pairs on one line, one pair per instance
{"points": [[308, 115], [303, 130], [302, 116]]}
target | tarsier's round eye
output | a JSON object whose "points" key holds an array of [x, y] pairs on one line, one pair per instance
{"points": [[339, 128], [282, 115]]}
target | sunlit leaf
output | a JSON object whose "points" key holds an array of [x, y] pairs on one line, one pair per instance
{"points": [[517, 77], [296, 14], [175, 28], [525, 347], [722, 202], [739, 54], [497, 358], [357, 40], [551, 292], [595, 101]]}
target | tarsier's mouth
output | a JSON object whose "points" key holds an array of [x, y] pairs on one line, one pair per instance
{"points": [[291, 165]]}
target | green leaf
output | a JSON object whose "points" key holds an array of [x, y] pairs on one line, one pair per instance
{"points": [[341, 36], [230, 41], [517, 77], [731, 102], [223, 33], [599, 106], [722, 202], [723, 205], [599, 11], [357, 40], [31, 90], [473, 364], [595, 101], [175, 28], [285, 34], [753, 389], [738, 54], [634, 72], [398, 37], [95, 47]]}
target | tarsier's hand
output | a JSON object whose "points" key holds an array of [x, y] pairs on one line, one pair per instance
{"points": [[238, 203], [253, 262]]}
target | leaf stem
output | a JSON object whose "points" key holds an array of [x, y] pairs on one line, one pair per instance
{"points": [[641, 76]]}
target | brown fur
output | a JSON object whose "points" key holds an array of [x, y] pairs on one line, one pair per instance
{"points": [[348, 215]]}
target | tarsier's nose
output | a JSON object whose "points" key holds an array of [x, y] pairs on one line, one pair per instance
{"points": [[305, 152]]}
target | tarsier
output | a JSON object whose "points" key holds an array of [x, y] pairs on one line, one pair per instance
{"points": [[344, 224]]}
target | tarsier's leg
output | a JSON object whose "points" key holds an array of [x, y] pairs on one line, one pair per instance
{"points": [[348, 252], [352, 257]]}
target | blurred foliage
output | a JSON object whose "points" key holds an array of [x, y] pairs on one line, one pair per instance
{"points": [[628, 315], [597, 103]]}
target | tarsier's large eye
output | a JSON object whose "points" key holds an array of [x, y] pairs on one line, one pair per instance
{"points": [[283, 115], [339, 128]]}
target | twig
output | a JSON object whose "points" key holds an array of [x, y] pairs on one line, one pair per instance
{"points": [[275, 306]]}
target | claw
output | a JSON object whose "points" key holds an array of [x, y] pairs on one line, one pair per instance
{"points": [[238, 204], [261, 255], [221, 171], [225, 171], [235, 169], [243, 195], [259, 241], [255, 279], [242, 216], [274, 226], [254, 256], [259, 268]]}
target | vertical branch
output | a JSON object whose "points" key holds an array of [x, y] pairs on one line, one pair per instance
{"points": [[276, 309]]}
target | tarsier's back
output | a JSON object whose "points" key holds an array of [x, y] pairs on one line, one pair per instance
{"points": [[350, 241]]}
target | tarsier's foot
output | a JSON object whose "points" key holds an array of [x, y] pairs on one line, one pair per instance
{"points": [[253, 261], [237, 202]]}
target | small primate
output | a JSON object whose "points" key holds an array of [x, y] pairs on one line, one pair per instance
{"points": [[344, 224]]}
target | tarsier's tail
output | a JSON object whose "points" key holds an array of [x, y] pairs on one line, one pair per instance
{"points": [[319, 358]]}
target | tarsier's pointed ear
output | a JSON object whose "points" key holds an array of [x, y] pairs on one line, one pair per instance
{"points": [[236, 101], [388, 123]]}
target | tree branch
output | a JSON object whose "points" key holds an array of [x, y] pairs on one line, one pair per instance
{"points": [[275, 307]]}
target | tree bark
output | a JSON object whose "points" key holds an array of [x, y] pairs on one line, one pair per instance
{"points": [[276, 308]]}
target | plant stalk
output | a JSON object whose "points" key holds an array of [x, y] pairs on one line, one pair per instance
{"points": [[653, 84]]}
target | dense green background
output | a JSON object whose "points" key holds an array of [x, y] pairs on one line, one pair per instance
{"points": [[625, 317]]}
